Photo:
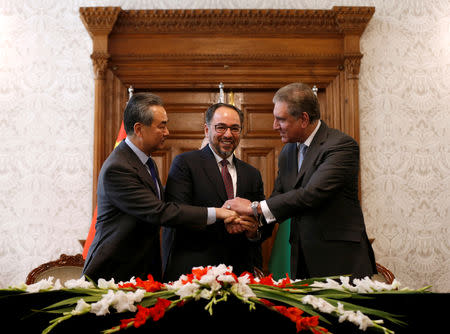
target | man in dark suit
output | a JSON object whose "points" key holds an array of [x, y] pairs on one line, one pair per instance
{"points": [[317, 187], [195, 179], [131, 205]]}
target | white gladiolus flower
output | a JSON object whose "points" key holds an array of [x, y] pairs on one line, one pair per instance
{"points": [[45, 284], [104, 284], [102, 306], [356, 318], [319, 303], [243, 290], [120, 300], [82, 307], [245, 279], [205, 294], [226, 279], [188, 290], [329, 284], [79, 283], [208, 279], [363, 285], [124, 301]]}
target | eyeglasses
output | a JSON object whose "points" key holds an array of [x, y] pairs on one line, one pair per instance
{"points": [[222, 128]]}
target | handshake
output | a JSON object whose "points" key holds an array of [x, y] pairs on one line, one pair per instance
{"points": [[239, 217]]}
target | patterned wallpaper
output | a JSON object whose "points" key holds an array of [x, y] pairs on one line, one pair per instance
{"points": [[46, 122]]}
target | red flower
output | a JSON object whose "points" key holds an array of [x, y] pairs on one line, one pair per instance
{"points": [[144, 313], [307, 323], [149, 285], [190, 278], [234, 276], [250, 277], [141, 316], [124, 322], [200, 272], [285, 281], [267, 280], [301, 323], [157, 311], [266, 302]]}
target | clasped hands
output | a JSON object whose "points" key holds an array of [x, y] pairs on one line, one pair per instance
{"points": [[244, 221]]}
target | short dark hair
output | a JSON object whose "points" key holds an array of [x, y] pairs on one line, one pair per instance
{"points": [[138, 110], [299, 98], [212, 109]]}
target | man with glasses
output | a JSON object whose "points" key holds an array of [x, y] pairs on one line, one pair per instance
{"points": [[131, 206], [209, 177]]}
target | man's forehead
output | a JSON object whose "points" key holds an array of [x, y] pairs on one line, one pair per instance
{"points": [[226, 112]]}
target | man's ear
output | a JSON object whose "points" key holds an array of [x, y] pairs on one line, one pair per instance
{"points": [[137, 129], [305, 119]]}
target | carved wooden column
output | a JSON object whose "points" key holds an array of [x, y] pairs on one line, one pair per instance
{"points": [[99, 22], [352, 22]]}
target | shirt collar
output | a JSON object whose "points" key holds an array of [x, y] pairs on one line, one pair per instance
{"points": [[308, 141], [141, 155], [219, 158]]}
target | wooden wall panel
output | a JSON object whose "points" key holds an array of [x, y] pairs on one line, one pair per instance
{"points": [[183, 55]]}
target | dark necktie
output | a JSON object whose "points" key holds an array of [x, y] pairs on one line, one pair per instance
{"points": [[227, 178], [301, 155], [151, 166]]}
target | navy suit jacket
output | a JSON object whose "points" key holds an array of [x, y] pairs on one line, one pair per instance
{"points": [[127, 238], [195, 179], [328, 234]]}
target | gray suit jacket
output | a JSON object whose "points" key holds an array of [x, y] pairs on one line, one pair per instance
{"points": [[328, 235], [129, 217]]}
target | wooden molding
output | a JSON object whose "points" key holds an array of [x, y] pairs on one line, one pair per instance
{"points": [[248, 50], [99, 20], [244, 21], [352, 65]]}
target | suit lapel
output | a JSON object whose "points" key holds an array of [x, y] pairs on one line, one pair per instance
{"points": [[141, 170], [212, 171], [313, 151], [239, 176]]}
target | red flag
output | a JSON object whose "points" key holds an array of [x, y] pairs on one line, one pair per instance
{"points": [[121, 136]]}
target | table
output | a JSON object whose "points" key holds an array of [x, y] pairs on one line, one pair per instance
{"points": [[424, 313]]}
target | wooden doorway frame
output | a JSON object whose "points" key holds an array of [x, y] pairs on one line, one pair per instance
{"points": [[246, 49]]}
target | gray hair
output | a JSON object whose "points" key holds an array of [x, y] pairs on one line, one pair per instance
{"points": [[300, 98], [138, 110]]}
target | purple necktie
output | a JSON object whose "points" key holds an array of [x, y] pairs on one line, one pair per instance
{"points": [[227, 179]]}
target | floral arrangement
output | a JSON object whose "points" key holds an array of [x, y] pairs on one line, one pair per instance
{"points": [[302, 301]]}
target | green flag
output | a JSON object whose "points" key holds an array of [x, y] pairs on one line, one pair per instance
{"points": [[279, 263]]}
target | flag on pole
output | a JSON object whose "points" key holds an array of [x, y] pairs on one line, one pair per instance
{"points": [[121, 136], [280, 259]]}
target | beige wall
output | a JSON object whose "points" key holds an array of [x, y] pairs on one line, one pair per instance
{"points": [[46, 121]]}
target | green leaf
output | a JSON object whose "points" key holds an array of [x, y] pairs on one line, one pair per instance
{"points": [[72, 301], [288, 299]]}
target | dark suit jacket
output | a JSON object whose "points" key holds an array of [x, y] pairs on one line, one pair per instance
{"points": [[195, 179], [129, 217], [327, 225]]}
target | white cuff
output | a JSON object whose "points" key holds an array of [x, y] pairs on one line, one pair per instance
{"points": [[270, 218], [211, 216]]}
